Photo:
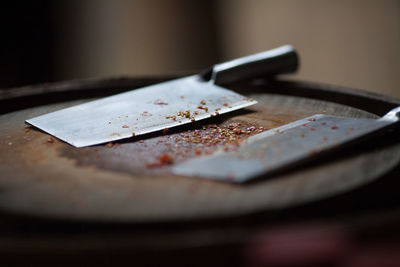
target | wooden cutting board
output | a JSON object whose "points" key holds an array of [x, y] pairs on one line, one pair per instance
{"points": [[44, 177]]}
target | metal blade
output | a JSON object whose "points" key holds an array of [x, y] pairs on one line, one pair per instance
{"points": [[140, 111], [280, 147]]}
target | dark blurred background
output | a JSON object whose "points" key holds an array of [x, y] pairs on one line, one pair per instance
{"points": [[354, 43]]}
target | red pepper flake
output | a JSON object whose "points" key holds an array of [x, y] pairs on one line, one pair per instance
{"points": [[305, 125], [203, 102], [225, 104], [323, 123], [197, 152], [313, 129], [125, 126], [334, 127], [166, 159], [27, 130], [50, 140], [160, 102]]}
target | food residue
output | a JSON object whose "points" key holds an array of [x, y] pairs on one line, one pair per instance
{"points": [[160, 102], [125, 126], [203, 141], [50, 140], [162, 160], [145, 113], [109, 144], [204, 108]]}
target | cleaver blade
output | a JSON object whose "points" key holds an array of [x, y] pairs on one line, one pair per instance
{"points": [[165, 105], [285, 146]]}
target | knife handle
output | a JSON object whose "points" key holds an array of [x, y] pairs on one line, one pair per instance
{"points": [[280, 60]]}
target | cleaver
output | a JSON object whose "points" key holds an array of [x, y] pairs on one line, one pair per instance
{"points": [[286, 146], [165, 105]]}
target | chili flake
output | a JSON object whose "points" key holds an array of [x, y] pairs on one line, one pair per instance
{"points": [[166, 159]]}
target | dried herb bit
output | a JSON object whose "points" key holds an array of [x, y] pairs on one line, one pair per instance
{"points": [[160, 102]]}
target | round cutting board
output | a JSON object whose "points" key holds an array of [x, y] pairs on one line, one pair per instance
{"points": [[43, 176]]}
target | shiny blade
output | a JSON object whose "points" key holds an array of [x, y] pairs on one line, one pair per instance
{"points": [[140, 111], [281, 147]]}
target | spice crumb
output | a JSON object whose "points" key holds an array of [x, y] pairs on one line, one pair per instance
{"points": [[109, 144], [160, 102]]}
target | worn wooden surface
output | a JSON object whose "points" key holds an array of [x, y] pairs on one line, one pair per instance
{"points": [[114, 184]]}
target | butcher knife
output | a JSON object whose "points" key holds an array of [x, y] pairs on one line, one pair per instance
{"points": [[164, 105], [286, 146]]}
